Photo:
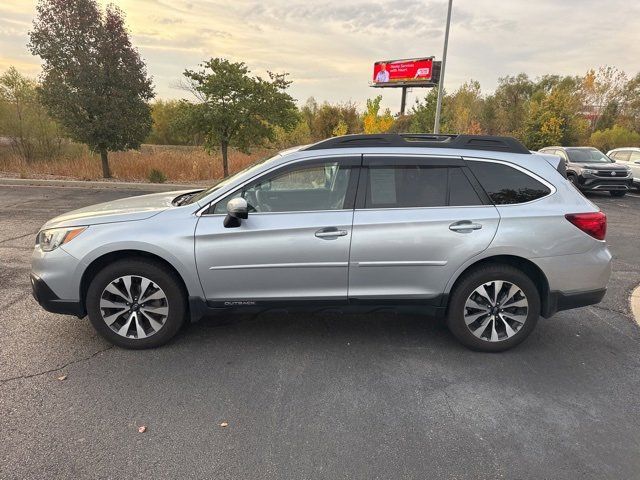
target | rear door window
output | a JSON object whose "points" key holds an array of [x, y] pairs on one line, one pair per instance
{"points": [[406, 186], [417, 185], [622, 155], [507, 185]]}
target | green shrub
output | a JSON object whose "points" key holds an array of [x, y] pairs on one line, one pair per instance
{"points": [[614, 137], [156, 176]]}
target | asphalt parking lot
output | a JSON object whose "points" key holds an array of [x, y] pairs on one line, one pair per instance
{"points": [[318, 396]]}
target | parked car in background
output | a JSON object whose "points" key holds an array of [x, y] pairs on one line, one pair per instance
{"points": [[591, 170], [474, 228], [629, 156]]}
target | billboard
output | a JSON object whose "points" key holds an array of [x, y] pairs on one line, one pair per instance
{"points": [[415, 70]]}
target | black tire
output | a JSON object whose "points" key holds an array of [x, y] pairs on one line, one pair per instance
{"points": [[476, 278], [156, 273], [617, 193], [574, 180]]}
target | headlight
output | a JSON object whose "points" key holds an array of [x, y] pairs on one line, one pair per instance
{"points": [[54, 237], [588, 170]]}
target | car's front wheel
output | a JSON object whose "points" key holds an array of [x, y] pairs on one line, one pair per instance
{"points": [[493, 308], [136, 303]]}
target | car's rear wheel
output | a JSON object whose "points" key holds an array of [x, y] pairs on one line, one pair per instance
{"points": [[618, 193], [136, 303], [493, 308]]}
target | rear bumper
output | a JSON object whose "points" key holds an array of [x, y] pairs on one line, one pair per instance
{"points": [[559, 301], [50, 301]]}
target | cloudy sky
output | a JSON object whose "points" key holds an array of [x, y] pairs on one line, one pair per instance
{"points": [[328, 47]]}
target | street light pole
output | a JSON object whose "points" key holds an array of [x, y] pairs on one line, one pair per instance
{"points": [[436, 126]]}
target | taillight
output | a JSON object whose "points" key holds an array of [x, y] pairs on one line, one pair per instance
{"points": [[594, 224]]}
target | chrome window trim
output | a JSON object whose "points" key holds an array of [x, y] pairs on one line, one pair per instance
{"points": [[199, 212], [281, 213], [424, 208]]}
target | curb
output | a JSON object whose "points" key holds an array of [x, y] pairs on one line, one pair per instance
{"points": [[152, 187], [634, 299]]}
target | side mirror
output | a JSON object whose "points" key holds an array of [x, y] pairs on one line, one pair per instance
{"points": [[237, 210]]}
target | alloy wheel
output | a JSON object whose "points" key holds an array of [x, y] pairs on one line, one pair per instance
{"points": [[496, 310], [134, 307]]}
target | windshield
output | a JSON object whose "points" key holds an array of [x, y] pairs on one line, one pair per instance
{"points": [[587, 155], [200, 195]]}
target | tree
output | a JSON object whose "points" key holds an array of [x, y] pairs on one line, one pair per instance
{"points": [[423, 113], [602, 89], [465, 109], [553, 119], [33, 134], [630, 106], [171, 124], [614, 137], [373, 121], [511, 104], [328, 120], [94, 82], [236, 109]]}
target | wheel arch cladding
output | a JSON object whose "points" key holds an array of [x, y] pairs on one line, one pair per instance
{"points": [[527, 266], [99, 263]]}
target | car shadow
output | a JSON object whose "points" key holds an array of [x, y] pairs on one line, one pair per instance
{"points": [[380, 327]]}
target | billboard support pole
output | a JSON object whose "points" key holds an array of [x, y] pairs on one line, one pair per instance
{"points": [[403, 102], [436, 126]]}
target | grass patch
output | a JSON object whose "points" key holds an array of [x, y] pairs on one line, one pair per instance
{"points": [[174, 163]]}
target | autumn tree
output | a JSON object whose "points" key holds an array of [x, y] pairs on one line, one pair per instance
{"points": [[327, 120], [614, 137], [511, 101], [465, 109], [602, 90], [630, 105], [32, 133], [171, 124], [373, 120], [235, 109], [94, 82], [553, 119], [423, 112]]}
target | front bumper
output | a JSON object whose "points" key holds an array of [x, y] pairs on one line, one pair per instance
{"points": [[50, 301], [592, 182]]}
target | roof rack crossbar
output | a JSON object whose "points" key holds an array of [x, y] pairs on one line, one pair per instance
{"points": [[465, 142]]}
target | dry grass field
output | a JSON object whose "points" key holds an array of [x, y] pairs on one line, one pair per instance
{"points": [[177, 163]]}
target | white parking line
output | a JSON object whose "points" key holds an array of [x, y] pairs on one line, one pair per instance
{"points": [[634, 299], [632, 195]]}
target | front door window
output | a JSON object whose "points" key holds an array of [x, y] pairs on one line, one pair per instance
{"points": [[296, 189]]}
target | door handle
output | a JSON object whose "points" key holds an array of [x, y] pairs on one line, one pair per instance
{"points": [[330, 233], [464, 226]]}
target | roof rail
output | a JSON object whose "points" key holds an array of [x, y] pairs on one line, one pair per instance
{"points": [[427, 140]]}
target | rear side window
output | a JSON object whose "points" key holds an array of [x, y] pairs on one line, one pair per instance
{"points": [[622, 155], [461, 192], [415, 186], [506, 185]]}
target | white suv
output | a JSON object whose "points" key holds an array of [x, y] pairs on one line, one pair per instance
{"points": [[629, 156]]}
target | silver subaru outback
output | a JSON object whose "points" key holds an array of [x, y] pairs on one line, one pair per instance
{"points": [[474, 228]]}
